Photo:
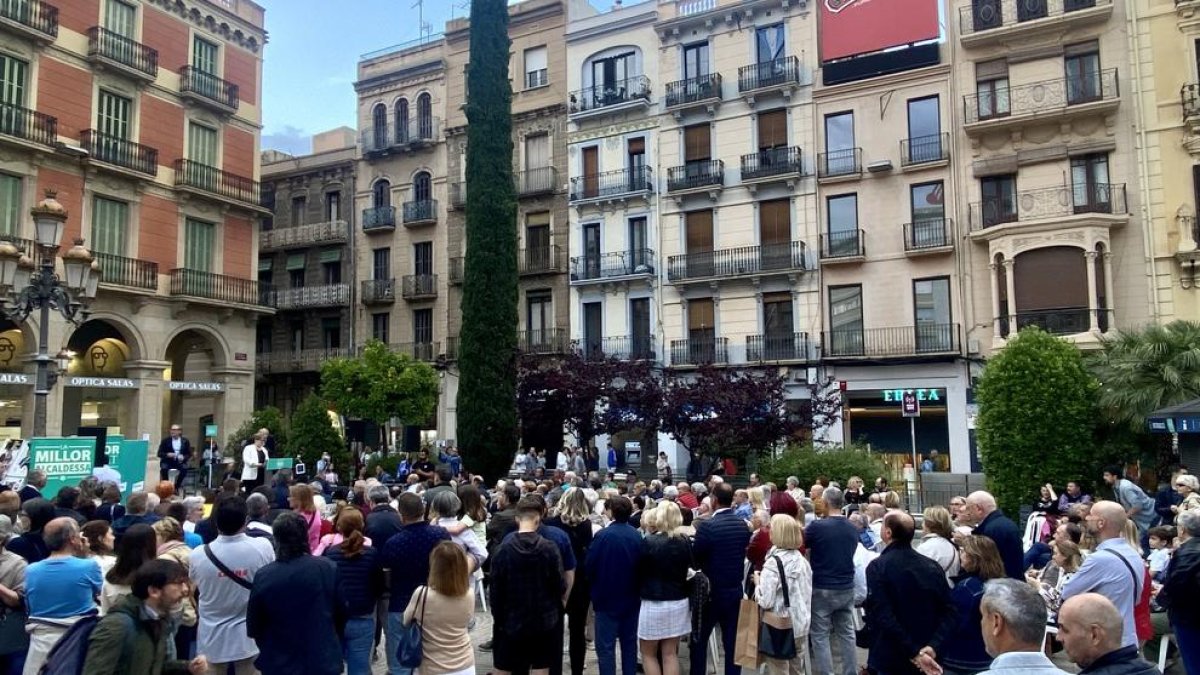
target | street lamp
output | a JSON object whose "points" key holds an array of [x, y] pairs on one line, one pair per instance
{"points": [[26, 286]]}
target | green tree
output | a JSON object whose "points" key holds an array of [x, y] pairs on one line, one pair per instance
{"points": [[487, 413], [1037, 418], [313, 434], [1143, 370], [380, 385], [809, 463], [270, 418]]}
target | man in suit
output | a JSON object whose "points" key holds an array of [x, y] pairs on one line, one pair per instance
{"points": [[174, 452], [989, 521], [34, 482], [720, 552]]}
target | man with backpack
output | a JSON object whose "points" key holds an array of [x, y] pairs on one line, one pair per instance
{"points": [[133, 636], [60, 591]]}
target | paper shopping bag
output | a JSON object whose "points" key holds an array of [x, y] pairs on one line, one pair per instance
{"points": [[745, 651]]}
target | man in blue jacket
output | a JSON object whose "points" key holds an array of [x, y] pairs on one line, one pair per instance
{"points": [[990, 522], [720, 551], [611, 566]]}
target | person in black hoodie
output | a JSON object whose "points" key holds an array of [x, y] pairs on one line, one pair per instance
{"points": [[30, 545], [572, 517]]}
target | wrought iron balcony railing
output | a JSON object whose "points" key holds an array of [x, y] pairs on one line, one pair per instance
{"points": [[984, 15], [699, 351], [1190, 95], [837, 163], [616, 264], [198, 284], [843, 244], [306, 297], [214, 181], [458, 194], [426, 352], [777, 347], [693, 90], [540, 181], [609, 94], [540, 260], [733, 262], [927, 234], [1041, 97], [696, 174], [379, 218], [28, 125], [410, 134], [125, 52], [621, 182], [119, 152], [543, 341], [782, 161], [1058, 202], [378, 291], [419, 286], [925, 149], [894, 342], [777, 73], [1060, 320], [118, 270], [310, 234], [420, 212], [624, 348], [209, 88], [301, 361], [35, 16], [457, 270]]}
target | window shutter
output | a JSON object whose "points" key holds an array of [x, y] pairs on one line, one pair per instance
{"points": [[198, 245], [991, 70], [10, 205], [697, 142], [637, 146], [772, 129], [699, 225], [109, 219], [295, 261], [774, 222]]}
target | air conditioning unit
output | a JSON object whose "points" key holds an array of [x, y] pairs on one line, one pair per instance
{"points": [[881, 166]]}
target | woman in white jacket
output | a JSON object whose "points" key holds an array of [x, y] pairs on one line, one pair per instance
{"points": [[254, 461], [787, 536]]}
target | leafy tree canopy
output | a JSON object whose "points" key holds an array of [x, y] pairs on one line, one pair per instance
{"points": [[380, 385], [1140, 371], [809, 463], [312, 433], [270, 418]]}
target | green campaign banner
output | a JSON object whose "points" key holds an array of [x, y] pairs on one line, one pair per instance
{"points": [[128, 457], [277, 463], [65, 461]]}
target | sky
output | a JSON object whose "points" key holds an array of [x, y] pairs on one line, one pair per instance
{"points": [[312, 53]]}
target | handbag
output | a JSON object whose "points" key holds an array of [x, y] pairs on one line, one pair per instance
{"points": [[776, 637], [745, 650], [409, 643]]}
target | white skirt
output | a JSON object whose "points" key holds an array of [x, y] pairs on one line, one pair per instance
{"points": [[662, 619]]}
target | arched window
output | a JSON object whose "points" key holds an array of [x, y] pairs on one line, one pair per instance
{"points": [[402, 121], [379, 127], [422, 187], [425, 116], [1051, 286], [381, 194]]}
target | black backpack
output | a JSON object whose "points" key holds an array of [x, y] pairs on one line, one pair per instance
{"points": [[70, 652]]}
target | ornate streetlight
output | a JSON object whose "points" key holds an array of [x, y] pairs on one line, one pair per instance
{"points": [[26, 286]]}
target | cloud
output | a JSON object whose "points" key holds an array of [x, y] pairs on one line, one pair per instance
{"points": [[289, 139]]}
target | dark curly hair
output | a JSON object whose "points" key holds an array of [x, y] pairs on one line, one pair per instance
{"points": [[291, 536]]}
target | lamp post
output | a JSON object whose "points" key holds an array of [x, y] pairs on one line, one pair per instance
{"points": [[26, 286]]}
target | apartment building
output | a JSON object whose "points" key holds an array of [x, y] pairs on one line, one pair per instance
{"points": [[305, 259], [144, 117]]}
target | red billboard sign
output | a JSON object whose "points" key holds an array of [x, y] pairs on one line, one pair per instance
{"points": [[851, 27]]}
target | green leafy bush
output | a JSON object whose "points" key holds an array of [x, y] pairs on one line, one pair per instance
{"points": [[809, 463], [312, 434], [270, 418]]}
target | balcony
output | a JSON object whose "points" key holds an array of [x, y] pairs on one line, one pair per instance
{"points": [[218, 287], [417, 287], [409, 136], [1190, 96], [452, 344], [783, 347], [378, 291], [925, 151], [419, 213], [846, 246], [426, 352], [781, 75], [545, 341], [696, 92], [120, 53], [838, 165], [303, 236], [1060, 320], [929, 236], [123, 155], [209, 181], [30, 18], [784, 164], [533, 182], [540, 260], [310, 297], [1040, 103], [127, 273], [609, 266], [379, 219], [1098, 204], [612, 186], [733, 263], [26, 127], [458, 195], [457, 270], [933, 340], [612, 97], [700, 175], [988, 22], [699, 351], [302, 361], [623, 348], [208, 90]]}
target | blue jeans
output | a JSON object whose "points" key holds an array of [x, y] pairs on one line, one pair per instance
{"points": [[357, 640], [611, 627], [395, 622], [833, 621]]}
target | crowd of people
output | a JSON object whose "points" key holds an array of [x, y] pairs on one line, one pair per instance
{"points": [[285, 576]]}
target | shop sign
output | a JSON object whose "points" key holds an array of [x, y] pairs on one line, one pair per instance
{"points": [[15, 378], [923, 395], [65, 461], [102, 382], [196, 386], [911, 404]]}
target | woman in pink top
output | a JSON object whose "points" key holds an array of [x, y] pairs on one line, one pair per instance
{"points": [[338, 537], [300, 498]]}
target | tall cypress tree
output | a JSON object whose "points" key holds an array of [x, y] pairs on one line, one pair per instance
{"points": [[487, 416]]}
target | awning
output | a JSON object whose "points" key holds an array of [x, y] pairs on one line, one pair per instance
{"points": [[1182, 418], [330, 255], [265, 264], [295, 261]]}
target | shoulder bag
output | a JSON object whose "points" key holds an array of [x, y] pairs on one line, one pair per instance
{"points": [[409, 642], [776, 637], [225, 570]]}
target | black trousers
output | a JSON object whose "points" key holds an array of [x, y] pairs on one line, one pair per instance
{"points": [[164, 473], [577, 613], [720, 609]]}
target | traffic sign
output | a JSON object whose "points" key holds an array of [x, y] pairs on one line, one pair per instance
{"points": [[911, 404]]}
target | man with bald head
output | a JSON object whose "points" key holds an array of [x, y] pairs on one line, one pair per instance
{"points": [[1115, 570], [1090, 628], [58, 590], [989, 521]]}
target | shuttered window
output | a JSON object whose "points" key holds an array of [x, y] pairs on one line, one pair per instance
{"points": [[697, 143], [775, 222], [700, 315], [13, 76], [10, 205], [202, 144], [537, 151], [112, 115], [110, 226], [121, 18], [198, 245], [204, 56], [699, 226], [772, 129]]}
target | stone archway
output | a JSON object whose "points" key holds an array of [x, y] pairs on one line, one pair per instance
{"points": [[98, 390], [195, 384]]}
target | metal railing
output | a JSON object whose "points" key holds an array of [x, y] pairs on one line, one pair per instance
{"points": [[772, 162], [928, 233], [422, 211], [34, 14], [699, 351], [732, 262], [208, 86], [542, 180], [28, 125], [843, 244], [415, 132], [776, 73], [378, 291], [302, 361], [847, 162], [119, 152], [984, 15], [693, 90], [379, 218], [419, 286], [624, 348], [1190, 96], [331, 232], [696, 174], [543, 341], [457, 270], [1059, 321], [630, 180], [899, 341], [777, 347], [418, 351], [215, 181], [326, 295], [452, 348], [118, 270], [198, 284], [115, 47], [540, 260], [616, 264], [458, 194], [609, 94], [1041, 97], [1105, 198], [925, 149]]}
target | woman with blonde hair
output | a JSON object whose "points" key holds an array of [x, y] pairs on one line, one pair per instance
{"points": [[937, 544], [300, 499], [663, 566], [891, 500], [650, 520], [572, 517], [784, 587], [443, 608], [171, 546], [759, 517], [1064, 563]]}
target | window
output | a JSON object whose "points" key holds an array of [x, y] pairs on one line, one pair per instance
{"points": [[202, 145], [779, 329], [702, 332], [1083, 73], [331, 266], [299, 205], [924, 131], [775, 234], [635, 159], [297, 336], [423, 326], [539, 320], [999, 199], [423, 258], [846, 320], [425, 117], [931, 306], [591, 250], [696, 61], [295, 267], [639, 328], [13, 76], [379, 326], [538, 254], [422, 187], [110, 224], [381, 194], [593, 313], [403, 132], [1090, 190], [262, 339], [537, 151], [610, 79], [991, 89], [698, 226], [697, 153], [10, 205], [842, 226], [112, 119], [381, 264], [639, 248], [928, 209], [333, 206], [537, 74], [379, 127], [121, 18], [198, 245], [769, 44], [296, 278], [840, 154], [772, 129], [331, 333], [204, 56]]}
